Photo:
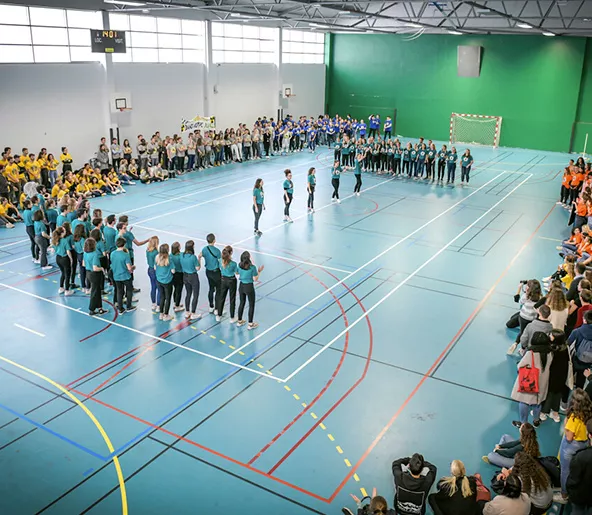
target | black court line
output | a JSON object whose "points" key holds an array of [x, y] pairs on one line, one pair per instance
{"points": [[503, 234], [373, 213], [496, 160]]}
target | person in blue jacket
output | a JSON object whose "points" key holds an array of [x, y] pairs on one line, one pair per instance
{"points": [[388, 128]]}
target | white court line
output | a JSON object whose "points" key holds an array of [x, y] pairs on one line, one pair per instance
{"points": [[308, 263], [14, 260], [137, 331], [403, 282], [378, 256], [29, 330]]}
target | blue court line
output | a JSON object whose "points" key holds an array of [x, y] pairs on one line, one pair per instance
{"points": [[228, 374], [54, 433], [414, 241]]}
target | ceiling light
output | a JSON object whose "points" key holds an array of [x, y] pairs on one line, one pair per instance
{"points": [[319, 25], [124, 2], [455, 32], [524, 25], [413, 25], [548, 34]]}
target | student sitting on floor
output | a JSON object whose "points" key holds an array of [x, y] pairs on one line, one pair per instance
{"points": [[414, 478], [457, 494], [503, 453], [511, 501]]}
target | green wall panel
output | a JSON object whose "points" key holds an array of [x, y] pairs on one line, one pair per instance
{"points": [[533, 82]]}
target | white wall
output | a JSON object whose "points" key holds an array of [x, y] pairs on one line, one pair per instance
{"points": [[245, 92], [161, 95], [308, 84], [53, 105]]}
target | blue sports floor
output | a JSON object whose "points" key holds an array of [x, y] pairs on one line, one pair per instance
{"points": [[382, 333]]}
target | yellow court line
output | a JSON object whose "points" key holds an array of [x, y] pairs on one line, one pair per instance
{"points": [[95, 422]]}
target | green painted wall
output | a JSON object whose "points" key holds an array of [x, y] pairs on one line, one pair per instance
{"points": [[583, 123], [533, 82]]}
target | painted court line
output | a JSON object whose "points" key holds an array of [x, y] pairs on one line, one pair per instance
{"points": [[29, 330], [402, 283], [137, 331], [378, 256]]}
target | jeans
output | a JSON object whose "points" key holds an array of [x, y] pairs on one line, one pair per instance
{"points": [[502, 461], [42, 244], [53, 177], [451, 171], [191, 162], [464, 173], [567, 451], [524, 409], [154, 291], [191, 282], [34, 248], [312, 144]]}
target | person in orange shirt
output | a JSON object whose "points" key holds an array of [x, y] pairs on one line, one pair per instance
{"points": [[565, 185], [572, 243], [581, 211], [576, 183]]}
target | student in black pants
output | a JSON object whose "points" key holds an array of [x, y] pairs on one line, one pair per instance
{"points": [[29, 228], [211, 256], [190, 266], [258, 204], [335, 176], [247, 273], [164, 269], [177, 276], [288, 193], [229, 270], [311, 183], [94, 273], [442, 155]]}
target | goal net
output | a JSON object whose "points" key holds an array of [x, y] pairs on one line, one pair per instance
{"points": [[475, 129]]}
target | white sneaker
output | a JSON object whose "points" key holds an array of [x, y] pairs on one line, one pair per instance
{"points": [[167, 318], [195, 316], [157, 309], [233, 320], [211, 310], [559, 247], [358, 194], [218, 318], [67, 293], [543, 417], [253, 325], [61, 290], [215, 312], [338, 201], [36, 261], [154, 306], [179, 309], [547, 279], [558, 202], [46, 267], [554, 416], [187, 314], [512, 349]]}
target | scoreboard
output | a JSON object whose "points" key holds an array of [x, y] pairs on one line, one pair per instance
{"points": [[108, 41]]}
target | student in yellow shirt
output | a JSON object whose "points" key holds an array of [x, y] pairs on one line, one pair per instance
{"points": [[25, 159], [21, 200], [575, 437], [66, 160], [34, 173], [95, 188], [11, 172], [52, 166], [82, 189], [9, 212]]}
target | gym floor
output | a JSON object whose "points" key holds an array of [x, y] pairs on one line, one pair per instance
{"points": [[382, 333]]}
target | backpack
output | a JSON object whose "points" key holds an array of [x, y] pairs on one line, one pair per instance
{"points": [[584, 351], [528, 377], [552, 468]]}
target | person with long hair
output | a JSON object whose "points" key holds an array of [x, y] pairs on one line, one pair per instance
{"points": [[529, 293], [94, 273], [466, 162], [63, 247], [535, 482], [41, 239], [190, 266], [288, 195], [558, 376], [575, 437], [457, 493], [559, 306], [229, 269], [248, 273], [151, 253], [511, 500], [177, 276], [358, 173], [164, 271], [335, 176], [311, 183], [377, 506], [504, 453], [538, 355], [258, 204]]}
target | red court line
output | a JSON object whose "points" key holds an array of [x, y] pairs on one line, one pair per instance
{"points": [[327, 385], [104, 328], [438, 360]]}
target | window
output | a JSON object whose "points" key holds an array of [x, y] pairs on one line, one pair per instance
{"points": [[303, 47], [233, 43], [44, 35], [160, 40]]}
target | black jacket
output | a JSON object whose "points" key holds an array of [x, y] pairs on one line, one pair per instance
{"points": [[572, 293], [411, 493], [559, 371], [457, 504], [579, 480]]}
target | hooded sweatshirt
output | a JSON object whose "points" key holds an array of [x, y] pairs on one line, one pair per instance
{"points": [[411, 493]]}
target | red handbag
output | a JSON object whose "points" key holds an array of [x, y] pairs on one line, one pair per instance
{"points": [[528, 377], [483, 493]]}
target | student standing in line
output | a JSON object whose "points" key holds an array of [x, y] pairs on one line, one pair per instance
{"points": [[63, 247], [335, 176], [190, 267], [451, 159], [41, 239], [288, 195], [247, 273], [175, 258], [211, 256], [422, 154], [430, 161], [151, 253], [311, 182], [122, 268], [94, 272], [258, 204], [130, 240], [442, 157], [229, 270], [30, 229], [466, 162], [358, 174], [164, 275], [407, 160]]}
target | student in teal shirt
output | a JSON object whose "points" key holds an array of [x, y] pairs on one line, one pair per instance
{"points": [[398, 154], [422, 154], [430, 160], [311, 182], [413, 159], [247, 273], [51, 214], [121, 269], [94, 272], [211, 255], [30, 229], [229, 269], [190, 267], [335, 176], [110, 234], [451, 160], [164, 275], [177, 276], [358, 175], [442, 157], [41, 239], [406, 159], [63, 251], [151, 253], [62, 217], [78, 239], [466, 161], [258, 204], [288, 195]]}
